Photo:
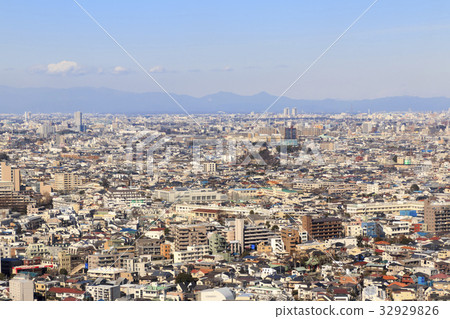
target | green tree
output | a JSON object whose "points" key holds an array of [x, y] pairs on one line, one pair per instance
{"points": [[405, 240], [378, 239], [414, 188], [104, 183], [63, 271], [184, 278], [302, 260], [359, 241], [274, 228]]}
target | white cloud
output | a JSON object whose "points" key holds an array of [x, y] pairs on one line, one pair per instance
{"points": [[120, 70], [157, 69], [60, 68], [228, 68], [64, 67]]}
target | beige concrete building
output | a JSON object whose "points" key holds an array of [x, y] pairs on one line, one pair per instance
{"points": [[67, 181], [9, 174], [437, 217], [190, 235]]}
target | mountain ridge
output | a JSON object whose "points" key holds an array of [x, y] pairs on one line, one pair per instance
{"points": [[106, 100]]}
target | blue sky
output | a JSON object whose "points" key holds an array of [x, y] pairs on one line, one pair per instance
{"points": [[201, 47]]}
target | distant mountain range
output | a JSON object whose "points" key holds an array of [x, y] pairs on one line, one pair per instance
{"points": [[103, 100]]}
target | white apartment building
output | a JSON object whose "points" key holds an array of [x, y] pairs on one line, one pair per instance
{"points": [[277, 244], [192, 253], [124, 197], [386, 208], [152, 291], [187, 208], [396, 228], [111, 273], [36, 250], [353, 230], [5, 250], [21, 289], [182, 194], [104, 292], [372, 188]]}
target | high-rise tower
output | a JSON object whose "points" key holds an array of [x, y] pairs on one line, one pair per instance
{"points": [[78, 120]]}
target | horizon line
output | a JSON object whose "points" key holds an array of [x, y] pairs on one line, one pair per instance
{"points": [[226, 92]]}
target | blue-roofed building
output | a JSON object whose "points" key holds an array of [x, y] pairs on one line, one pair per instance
{"points": [[128, 230], [372, 229], [411, 213]]}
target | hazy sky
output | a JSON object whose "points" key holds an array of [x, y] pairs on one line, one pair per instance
{"points": [[400, 47]]}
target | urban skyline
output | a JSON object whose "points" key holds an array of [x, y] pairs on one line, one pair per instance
{"points": [[292, 207]]}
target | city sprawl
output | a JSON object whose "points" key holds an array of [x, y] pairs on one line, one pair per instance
{"points": [[291, 206]]}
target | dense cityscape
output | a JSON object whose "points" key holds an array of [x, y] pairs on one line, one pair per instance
{"points": [[287, 207]]}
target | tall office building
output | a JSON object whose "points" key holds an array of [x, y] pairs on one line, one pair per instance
{"points": [[289, 133], [45, 130], [294, 111], [27, 116], [78, 119], [367, 127], [286, 112]]}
